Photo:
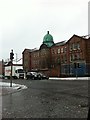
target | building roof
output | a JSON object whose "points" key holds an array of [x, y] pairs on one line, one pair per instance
{"points": [[60, 43], [82, 37], [30, 50]]}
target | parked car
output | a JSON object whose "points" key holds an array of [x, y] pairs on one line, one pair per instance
{"points": [[42, 76], [32, 75], [36, 76]]}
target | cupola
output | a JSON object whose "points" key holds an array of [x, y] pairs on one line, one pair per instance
{"points": [[48, 40]]}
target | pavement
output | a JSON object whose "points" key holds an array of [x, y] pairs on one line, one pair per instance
{"points": [[6, 89], [70, 78]]}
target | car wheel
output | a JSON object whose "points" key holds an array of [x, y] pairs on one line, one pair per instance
{"points": [[33, 78]]}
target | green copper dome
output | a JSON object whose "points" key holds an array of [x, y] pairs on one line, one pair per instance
{"points": [[48, 39]]}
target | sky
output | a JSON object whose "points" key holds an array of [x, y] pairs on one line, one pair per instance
{"points": [[24, 23]]}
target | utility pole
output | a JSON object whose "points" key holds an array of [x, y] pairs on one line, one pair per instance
{"points": [[11, 74], [11, 58], [75, 66]]}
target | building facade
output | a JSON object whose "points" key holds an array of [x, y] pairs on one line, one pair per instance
{"points": [[65, 58], [2, 67]]}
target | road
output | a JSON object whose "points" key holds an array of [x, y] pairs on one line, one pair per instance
{"points": [[47, 99]]}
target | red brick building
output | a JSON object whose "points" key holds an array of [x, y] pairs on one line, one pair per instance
{"points": [[2, 67], [26, 59], [65, 58]]}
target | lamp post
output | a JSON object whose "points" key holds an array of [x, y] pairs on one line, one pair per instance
{"points": [[11, 58]]}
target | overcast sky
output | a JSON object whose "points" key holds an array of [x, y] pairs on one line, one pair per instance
{"points": [[23, 23]]}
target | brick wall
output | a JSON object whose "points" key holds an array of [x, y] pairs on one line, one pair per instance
{"points": [[26, 59]]}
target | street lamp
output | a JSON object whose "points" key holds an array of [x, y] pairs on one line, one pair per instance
{"points": [[11, 58]]}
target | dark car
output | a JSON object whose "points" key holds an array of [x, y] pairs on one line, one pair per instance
{"points": [[42, 76], [32, 75], [36, 76]]}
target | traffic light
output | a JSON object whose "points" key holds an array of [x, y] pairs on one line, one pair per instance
{"points": [[12, 55]]}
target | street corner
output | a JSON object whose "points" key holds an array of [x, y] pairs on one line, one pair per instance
{"points": [[6, 89]]}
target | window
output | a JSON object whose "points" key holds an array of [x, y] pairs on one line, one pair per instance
{"points": [[72, 57], [75, 46], [65, 49], [78, 65], [58, 60], [61, 50], [71, 47], [62, 59], [78, 45], [53, 51], [19, 71], [58, 50], [78, 56], [65, 58]]}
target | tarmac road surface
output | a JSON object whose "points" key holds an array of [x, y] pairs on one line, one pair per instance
{"points": [[47, 99]]}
